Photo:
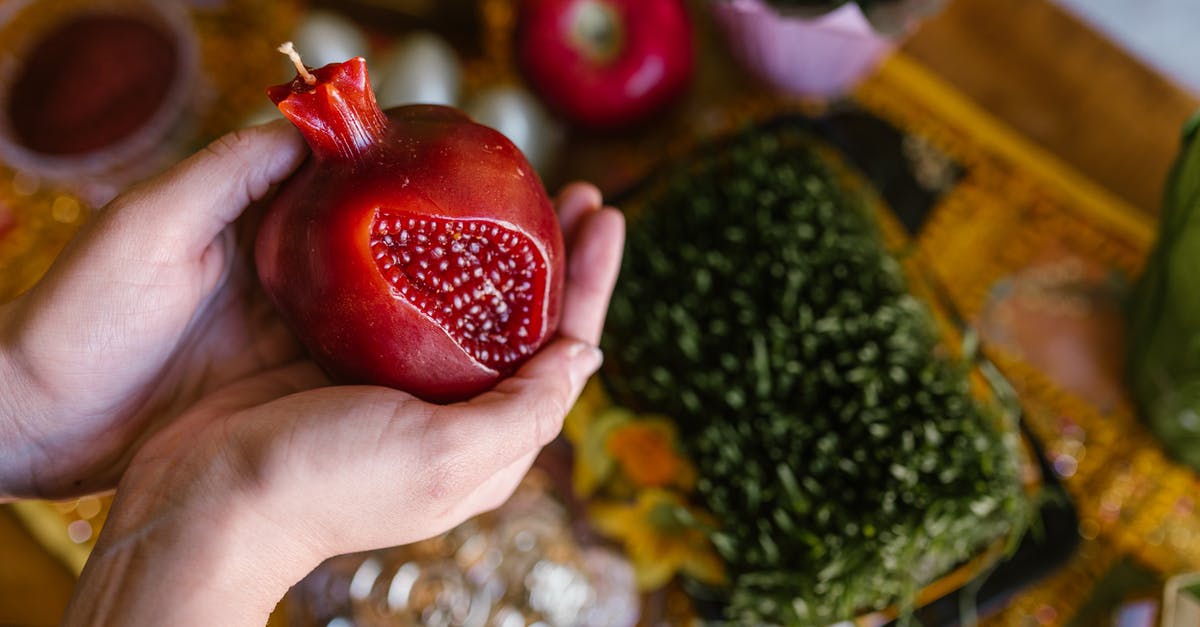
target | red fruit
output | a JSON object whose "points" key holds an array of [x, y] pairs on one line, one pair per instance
{"points": [[416, 250], [605, 63]]}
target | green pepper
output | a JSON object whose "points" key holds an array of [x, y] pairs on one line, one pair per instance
{"points": [[1164, 319]]}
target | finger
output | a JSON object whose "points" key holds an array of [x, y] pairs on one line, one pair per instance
{"points": [[574, 202], [186, 206], [522, 413], [135, 276], [593, 264]]}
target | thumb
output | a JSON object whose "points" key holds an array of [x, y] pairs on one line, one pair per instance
{"points": [[116, 302], [185, 208]]}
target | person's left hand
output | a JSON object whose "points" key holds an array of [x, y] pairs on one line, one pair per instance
{"points": [[141, 315]]}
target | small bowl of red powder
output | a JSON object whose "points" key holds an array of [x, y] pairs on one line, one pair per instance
{"points": [[94, 94]]}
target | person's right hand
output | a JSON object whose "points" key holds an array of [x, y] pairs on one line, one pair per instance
{"points": [[260, 481]]}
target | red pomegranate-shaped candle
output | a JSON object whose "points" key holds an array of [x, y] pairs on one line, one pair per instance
{"points": [[415, 249]]}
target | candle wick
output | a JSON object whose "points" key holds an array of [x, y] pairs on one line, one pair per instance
{"points": [[290, 50]]}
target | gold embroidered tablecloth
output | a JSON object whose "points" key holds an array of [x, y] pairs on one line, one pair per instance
{"points": [[1036, 257]]}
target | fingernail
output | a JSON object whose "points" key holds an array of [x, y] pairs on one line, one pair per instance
{"points": [[585, 361]]}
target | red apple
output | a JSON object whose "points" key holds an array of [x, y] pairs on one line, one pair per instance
{"points": [[605, 63], [416, 250]]}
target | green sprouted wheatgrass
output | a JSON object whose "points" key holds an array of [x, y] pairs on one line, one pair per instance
{"points": [[843, 454]]}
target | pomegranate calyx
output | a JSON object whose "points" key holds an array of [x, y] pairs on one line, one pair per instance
{"points": [[334, 108]]}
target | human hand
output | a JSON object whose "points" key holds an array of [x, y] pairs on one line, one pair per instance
{"points": [[258, 482], [145, 312]]}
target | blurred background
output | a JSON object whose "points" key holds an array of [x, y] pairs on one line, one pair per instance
{"points": [[1021, 149]]}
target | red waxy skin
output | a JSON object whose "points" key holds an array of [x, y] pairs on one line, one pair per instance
{"points": [[351, 276], [606, 64]]}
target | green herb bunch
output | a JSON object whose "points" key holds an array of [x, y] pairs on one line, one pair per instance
{"points": [[844, 457]]}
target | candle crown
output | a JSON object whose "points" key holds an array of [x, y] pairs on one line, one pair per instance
{"points": [[336, 113]]}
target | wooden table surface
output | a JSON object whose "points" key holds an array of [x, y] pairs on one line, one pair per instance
{"points": [[1031, 65], [1050, 78]]}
